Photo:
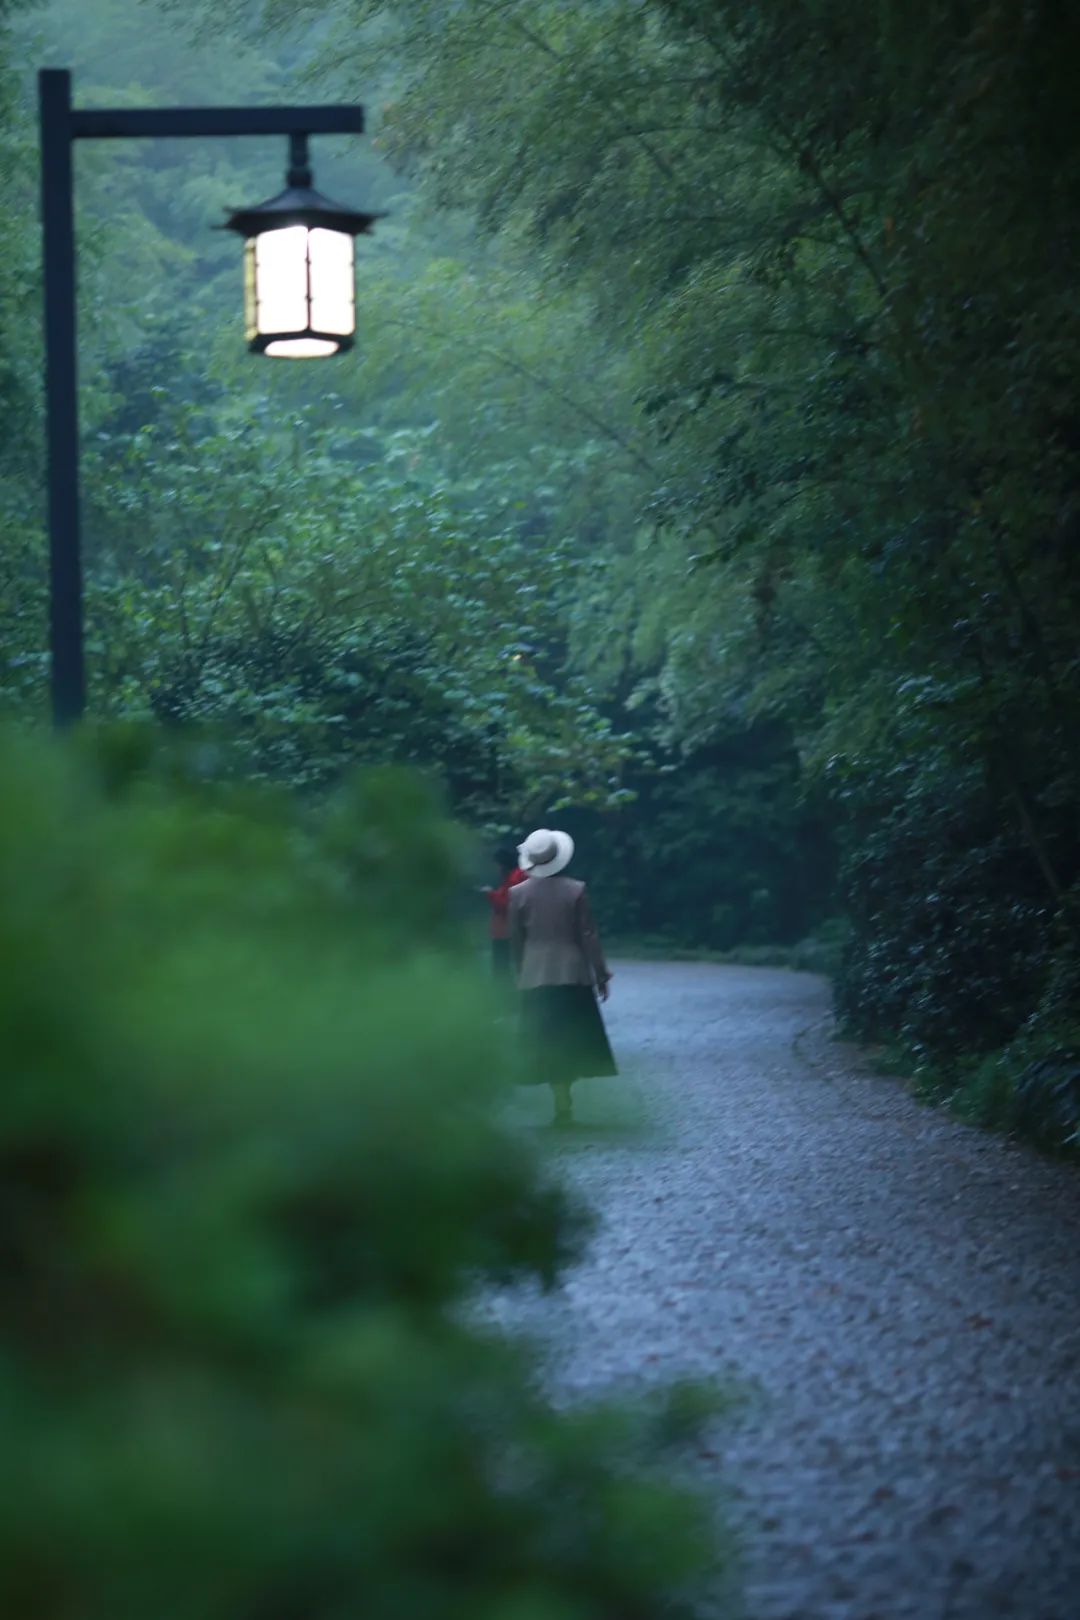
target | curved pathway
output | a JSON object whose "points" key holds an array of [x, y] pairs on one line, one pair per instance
{"points": [[897, 1297]]}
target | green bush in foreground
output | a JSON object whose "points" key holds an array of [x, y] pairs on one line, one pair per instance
{"points": [[248, 1171]]}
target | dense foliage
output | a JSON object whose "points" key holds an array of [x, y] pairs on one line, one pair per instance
{"points": [[831, 255], [325, 580], [736, 346], [244, 1191]]}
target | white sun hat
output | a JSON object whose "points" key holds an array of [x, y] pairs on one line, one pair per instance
{"points": [[545, 852]]}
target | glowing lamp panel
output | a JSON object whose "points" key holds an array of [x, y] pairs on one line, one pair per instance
{"points": [[299, 291], [333, 286]]}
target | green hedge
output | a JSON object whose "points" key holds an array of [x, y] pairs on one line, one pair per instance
{"points": [[250, 1169]]}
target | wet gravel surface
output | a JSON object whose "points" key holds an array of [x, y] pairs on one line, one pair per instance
{"points": [[895, 1296]]}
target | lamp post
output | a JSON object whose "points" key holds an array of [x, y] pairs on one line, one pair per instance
{"points": [[299, 298]]}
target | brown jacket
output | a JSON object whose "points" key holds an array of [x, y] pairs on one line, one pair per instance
{"points": [[552, 934]]}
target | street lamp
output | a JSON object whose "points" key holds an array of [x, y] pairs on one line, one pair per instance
{"points": [[299, 277], [299, 298]]}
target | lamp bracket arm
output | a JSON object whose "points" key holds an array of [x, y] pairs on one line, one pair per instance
{"points": [[146, 123]]}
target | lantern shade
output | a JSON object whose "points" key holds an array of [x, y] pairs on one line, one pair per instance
{"points": [[299, 292], [299, 274]]}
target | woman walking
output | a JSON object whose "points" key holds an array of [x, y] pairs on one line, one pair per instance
{"points": [[560, 971]]}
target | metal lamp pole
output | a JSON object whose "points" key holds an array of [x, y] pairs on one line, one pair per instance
{"points": [[61, 126]]}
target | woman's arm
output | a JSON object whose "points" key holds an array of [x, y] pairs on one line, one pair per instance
{"points": [[500, 897], [590, 944], [517, 932]]}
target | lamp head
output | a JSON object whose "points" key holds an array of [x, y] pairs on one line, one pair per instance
{"points": [[299, 271]]}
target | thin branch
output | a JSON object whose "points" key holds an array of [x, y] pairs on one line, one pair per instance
{"points": [[538, 380], [228, 576], [791, 146], [661, 163]]}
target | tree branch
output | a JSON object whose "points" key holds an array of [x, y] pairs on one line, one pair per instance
{"points": [[512, 363]]}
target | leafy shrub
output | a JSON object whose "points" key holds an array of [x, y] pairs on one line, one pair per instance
{"points": [[951, 933], [1046, 1107], [958, 957], [249, 1168], [721, 848], [1032, 1086]]}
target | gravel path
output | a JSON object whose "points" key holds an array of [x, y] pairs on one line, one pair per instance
{"points": [[895, 1294]]}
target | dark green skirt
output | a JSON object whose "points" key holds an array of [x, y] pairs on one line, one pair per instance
{"points": [[563, 1035]]}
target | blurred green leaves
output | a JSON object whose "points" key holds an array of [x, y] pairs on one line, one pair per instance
{"points": [[249, 1170]]}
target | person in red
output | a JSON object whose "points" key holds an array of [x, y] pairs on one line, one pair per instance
{"points": [[510, 874]]}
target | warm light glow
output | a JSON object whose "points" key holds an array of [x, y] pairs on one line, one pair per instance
{"points": [[303, 348], [281, 280], [330, 254], [299, 291]]}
